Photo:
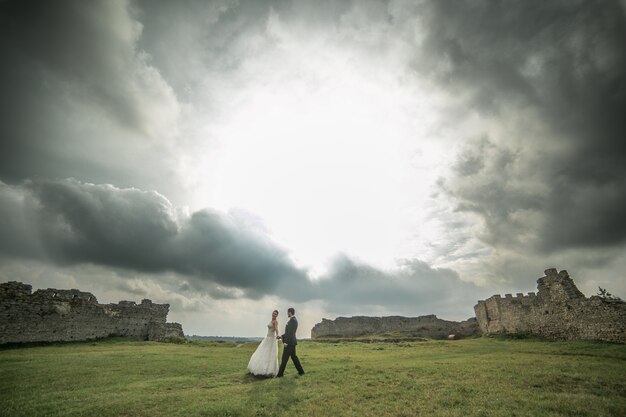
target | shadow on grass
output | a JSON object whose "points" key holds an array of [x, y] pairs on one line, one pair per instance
{"points": [[250, 378], [270, 396]]}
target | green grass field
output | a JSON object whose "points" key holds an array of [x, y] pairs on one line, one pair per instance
{"points": [[473, 377]]}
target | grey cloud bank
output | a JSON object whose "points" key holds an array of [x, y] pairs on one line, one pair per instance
{"points": [[79, 100], [558, 65], [72, 223]]}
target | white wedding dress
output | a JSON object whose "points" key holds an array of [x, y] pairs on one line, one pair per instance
{"points": [[264, 360]]}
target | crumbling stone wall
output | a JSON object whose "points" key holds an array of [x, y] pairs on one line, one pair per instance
{"points": [[53, 315], [423, 326], [558, 311]]}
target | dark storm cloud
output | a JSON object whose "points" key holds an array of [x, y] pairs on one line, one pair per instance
{"points": [[560, 65], [77, 223], [78, 98], [73, 41], [71, 223], [100, 223], [18, 233]]}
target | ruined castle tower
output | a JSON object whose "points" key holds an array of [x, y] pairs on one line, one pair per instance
{"points": [[558, 311]]}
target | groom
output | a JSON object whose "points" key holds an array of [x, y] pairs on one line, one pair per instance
{"points": [[290, 342]]}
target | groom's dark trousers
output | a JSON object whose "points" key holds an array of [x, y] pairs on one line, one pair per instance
{"points": [[290, 352], [290, 341]]}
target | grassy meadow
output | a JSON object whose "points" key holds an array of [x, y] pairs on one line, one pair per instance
{"points": [[472, 377]]}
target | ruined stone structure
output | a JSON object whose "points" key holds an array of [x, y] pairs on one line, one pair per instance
{"points": [[423, 326], [69, 315], [558, 311]]}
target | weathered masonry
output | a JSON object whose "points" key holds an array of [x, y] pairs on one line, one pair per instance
{"points": [[422, 326], [69, 315], [558, 311]]}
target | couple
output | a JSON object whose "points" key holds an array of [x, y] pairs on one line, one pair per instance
{"points": [[264, 361]]}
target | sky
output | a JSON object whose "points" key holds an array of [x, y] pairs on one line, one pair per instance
{"points": [[344, 158]]}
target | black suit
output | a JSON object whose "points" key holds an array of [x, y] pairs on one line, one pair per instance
{"points": [[290, 341]]}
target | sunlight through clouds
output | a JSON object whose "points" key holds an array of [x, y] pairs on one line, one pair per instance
{"points": [[328, 153]]}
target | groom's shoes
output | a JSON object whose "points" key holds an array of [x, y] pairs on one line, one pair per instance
{"points": [[279, 376], [301, 373]]}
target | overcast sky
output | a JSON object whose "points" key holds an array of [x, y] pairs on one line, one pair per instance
{"points": [[341, 157]]}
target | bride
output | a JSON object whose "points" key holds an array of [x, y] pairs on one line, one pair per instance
{"points": [[264, 360]]}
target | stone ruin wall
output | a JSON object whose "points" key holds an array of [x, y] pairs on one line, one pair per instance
{"points": [[70, 315], [424, 326], [558, 311]]}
